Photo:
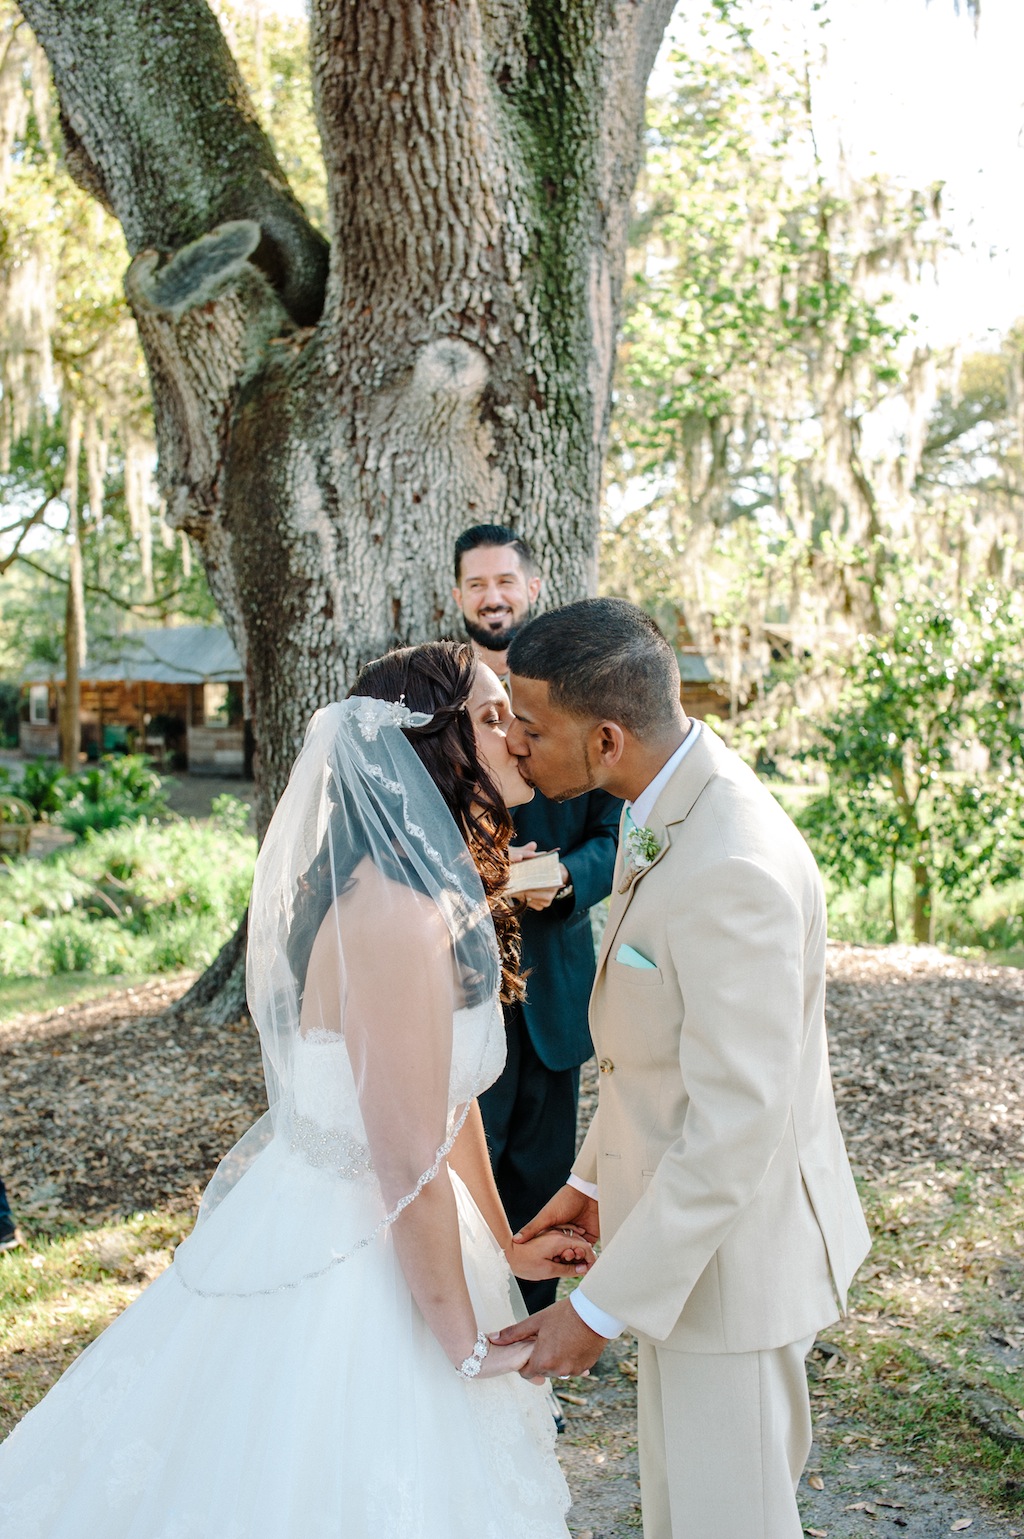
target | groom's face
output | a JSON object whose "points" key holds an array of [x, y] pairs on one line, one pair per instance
{"points": [[553, 748]]}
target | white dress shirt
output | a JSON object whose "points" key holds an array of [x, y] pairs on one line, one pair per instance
{"points": [[640, 810]]}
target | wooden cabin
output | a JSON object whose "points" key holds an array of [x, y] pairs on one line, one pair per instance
{"points": [[174, 693], [700, 692]]}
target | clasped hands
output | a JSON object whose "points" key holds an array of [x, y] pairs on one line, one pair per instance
{"points": [[564, 1232]]}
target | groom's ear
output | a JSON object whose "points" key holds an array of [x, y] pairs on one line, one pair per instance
{"points": [[608, 741]]}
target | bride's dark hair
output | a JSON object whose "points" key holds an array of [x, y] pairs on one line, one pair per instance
{"points": [[435, 678]]}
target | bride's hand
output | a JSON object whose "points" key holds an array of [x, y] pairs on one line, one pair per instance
{"points": [[553, 1253], [508, 1359]]}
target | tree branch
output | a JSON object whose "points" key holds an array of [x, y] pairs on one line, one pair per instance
{"points": [[30, 523], [127, 605], [161, 128]]}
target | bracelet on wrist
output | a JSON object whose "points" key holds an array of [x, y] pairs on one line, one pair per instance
{"points": [[471, 1365]]}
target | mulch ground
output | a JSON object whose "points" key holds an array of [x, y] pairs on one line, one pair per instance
{"points": [[927, 1056], [107, 1109]]}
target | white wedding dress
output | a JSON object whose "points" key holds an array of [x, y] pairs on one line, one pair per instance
{"points": [[263, 1388]]}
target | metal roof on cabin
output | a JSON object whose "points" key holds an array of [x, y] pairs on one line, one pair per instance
{"points": [[693, 669], [181, 654]]}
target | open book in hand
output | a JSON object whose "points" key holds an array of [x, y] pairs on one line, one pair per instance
{"points": [[536, 871]]}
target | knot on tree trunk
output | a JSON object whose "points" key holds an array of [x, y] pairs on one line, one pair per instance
{"points": [[441, 397], [198, 272], [435, 413], [449, 369], [431, 418]]}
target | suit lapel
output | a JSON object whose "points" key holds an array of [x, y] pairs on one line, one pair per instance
{"points": [[672, 807], [621, 900]]}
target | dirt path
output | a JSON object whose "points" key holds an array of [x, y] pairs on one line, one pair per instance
{"points": [[108, 1111]]}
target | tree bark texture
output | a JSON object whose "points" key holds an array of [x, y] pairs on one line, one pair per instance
{"points": [[329, 418]]}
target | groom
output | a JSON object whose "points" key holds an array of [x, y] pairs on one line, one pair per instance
{"points": [[729, 1219]]}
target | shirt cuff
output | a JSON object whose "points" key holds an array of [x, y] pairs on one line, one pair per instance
{"points": [[588, 1188], [604, 1324]]}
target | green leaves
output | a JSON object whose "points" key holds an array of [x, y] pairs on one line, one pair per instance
{"points": [[115, 791], [144, 897], [925, 752]]}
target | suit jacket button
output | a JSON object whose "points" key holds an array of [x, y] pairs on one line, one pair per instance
{"points": [[606, 1066]]}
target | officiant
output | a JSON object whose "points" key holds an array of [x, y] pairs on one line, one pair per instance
{"points": [[530, 1112]]}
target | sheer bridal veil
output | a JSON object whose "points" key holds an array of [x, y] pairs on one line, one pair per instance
{"points": [[368, 930]]}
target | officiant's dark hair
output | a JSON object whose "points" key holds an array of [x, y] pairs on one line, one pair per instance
{"points": [[602, 660], [493, 534]]}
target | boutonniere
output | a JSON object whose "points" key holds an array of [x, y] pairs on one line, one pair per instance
{"points": [[642, 850]]}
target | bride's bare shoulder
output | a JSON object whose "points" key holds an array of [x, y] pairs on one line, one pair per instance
{"points": [[372, 899]]}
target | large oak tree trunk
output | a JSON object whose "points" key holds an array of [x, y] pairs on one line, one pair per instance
{"points": [[327, 427]]}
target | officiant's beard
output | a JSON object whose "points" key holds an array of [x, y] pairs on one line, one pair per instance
{"points": [[494, 641]]}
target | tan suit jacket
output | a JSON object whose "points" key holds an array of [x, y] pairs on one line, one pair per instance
{"points": [[729, 1217]]}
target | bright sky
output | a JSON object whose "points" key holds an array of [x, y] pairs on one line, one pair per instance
{"points": [[917, 93], [909, 89]]}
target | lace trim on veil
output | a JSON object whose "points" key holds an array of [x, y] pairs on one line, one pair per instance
{"points": [[385, 1223]]}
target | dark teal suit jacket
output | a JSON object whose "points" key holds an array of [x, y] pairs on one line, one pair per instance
{"points": [[558, 947]]}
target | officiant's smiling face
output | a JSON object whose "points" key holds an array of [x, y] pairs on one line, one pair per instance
{"points": [[495, 594], [558, 753]]}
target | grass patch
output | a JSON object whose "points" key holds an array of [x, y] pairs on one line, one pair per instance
{"points": [[60, 991], [934, 1348], [144, 898], [990, 928], [63, 1288]]}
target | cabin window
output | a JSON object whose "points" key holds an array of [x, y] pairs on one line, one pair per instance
{"points": [[39, 705], [215, 705]]}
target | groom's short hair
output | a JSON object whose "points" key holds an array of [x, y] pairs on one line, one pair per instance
{"points": [[602, 660]]}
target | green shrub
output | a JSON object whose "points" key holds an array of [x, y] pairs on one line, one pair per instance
{"points": [[924, 752], [141, 898], [230, 813], [119, 789], [44, 785], [993, 922]]}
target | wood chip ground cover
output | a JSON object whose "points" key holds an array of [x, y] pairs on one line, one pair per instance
{"points": [[108, 1112]]}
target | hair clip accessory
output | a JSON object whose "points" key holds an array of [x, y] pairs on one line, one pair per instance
{"points": [[371, 715]]}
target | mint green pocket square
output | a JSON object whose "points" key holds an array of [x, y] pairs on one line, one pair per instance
{"points": [[630, 957]]}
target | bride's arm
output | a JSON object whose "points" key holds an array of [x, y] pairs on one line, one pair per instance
{"points": [[470, 1160], [554, 1253], [398, 1027]]}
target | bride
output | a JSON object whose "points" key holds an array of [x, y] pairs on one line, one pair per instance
{"points": [[315, 1364]]}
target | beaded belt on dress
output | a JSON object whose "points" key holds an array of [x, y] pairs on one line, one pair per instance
{"points": [[328, 1148]]}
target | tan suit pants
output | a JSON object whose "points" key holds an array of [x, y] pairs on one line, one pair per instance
{"points": [[723, 1440]]}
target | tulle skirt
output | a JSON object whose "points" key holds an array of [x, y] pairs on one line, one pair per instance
{"points": [[325, 1410]]}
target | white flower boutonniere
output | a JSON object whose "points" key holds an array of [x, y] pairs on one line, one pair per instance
{"points": [[642, 850], [642, 845]]}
